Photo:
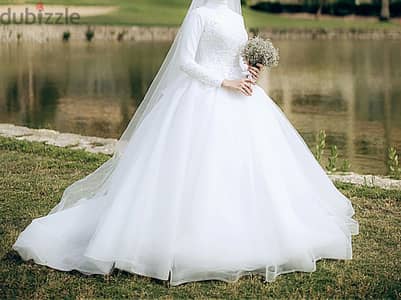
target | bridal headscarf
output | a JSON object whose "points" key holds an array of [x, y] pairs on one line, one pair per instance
{"points": [[96, 183]]}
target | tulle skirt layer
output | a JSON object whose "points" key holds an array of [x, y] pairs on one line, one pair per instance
{"points": [[213, 185]]}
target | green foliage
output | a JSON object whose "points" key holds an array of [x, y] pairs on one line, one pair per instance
{"points": [[332, 166], [320, 145], [393, 165], [89, 34], [345, 166], [66, 36], [333, 156]]}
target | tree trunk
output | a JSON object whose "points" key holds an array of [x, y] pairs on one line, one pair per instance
{"points": [[319, 10], [385, 10]]}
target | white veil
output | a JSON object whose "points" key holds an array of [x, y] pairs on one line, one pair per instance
{"points": [[96, 182]]}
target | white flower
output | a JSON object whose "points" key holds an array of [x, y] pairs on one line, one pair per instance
{"points": [[261, 51]]}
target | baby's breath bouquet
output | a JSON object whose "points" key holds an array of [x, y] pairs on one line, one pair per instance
{"points": [[260, 51]]}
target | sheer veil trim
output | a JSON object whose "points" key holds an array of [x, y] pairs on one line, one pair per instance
{"points": [[96, 182]]}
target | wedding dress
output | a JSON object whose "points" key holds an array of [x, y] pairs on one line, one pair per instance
{"points": [[212, 184]]}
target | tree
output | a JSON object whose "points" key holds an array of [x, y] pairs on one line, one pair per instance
{"points": [[385, 10], [322, 3]]}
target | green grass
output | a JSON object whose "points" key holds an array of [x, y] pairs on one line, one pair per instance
{"points": [[33, 177], [171, 13]]}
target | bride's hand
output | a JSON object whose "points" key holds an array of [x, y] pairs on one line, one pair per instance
{"points": [[241, 85], [255, 71]]}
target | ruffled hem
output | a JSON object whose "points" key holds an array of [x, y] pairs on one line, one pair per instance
{"points": [[90, 265]]}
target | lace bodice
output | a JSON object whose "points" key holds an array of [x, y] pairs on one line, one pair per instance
{"points": [[212, 41]]}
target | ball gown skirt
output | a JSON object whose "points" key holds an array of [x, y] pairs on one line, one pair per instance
{"points": [[213, 185]]}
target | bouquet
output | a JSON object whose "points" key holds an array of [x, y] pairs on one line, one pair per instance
{"points": [[260, 51]]}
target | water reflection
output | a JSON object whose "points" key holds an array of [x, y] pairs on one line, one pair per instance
{"points": [[91, 89], [352, 89]]}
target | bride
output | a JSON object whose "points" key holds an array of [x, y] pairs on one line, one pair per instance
{"points": [[208, 181]]}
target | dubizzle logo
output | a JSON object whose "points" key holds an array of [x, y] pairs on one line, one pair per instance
{"points": [[41, 16]]}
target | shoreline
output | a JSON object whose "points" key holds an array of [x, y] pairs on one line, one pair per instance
{"points": [[107, 145], [47, 33]]}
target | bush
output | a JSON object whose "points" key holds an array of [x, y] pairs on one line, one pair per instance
{"points": [[66, 36], [273, 7], [395, 9], [89, 34], [338, 8]]}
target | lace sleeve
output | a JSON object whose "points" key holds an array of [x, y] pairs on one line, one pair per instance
{"points": [[190, 40]]}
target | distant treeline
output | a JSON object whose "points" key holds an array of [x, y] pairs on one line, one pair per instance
{"points": [[337, 7]]}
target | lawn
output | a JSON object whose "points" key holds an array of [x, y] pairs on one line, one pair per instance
{"points": [[33, 177], [171, 13]]}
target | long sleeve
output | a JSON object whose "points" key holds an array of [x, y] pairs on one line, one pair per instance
{"points": [[191, 35]]}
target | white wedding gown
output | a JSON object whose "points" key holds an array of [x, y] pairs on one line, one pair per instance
{"points": [[212, 185]]}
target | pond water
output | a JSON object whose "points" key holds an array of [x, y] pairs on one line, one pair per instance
{"points": [[351, 89]]}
